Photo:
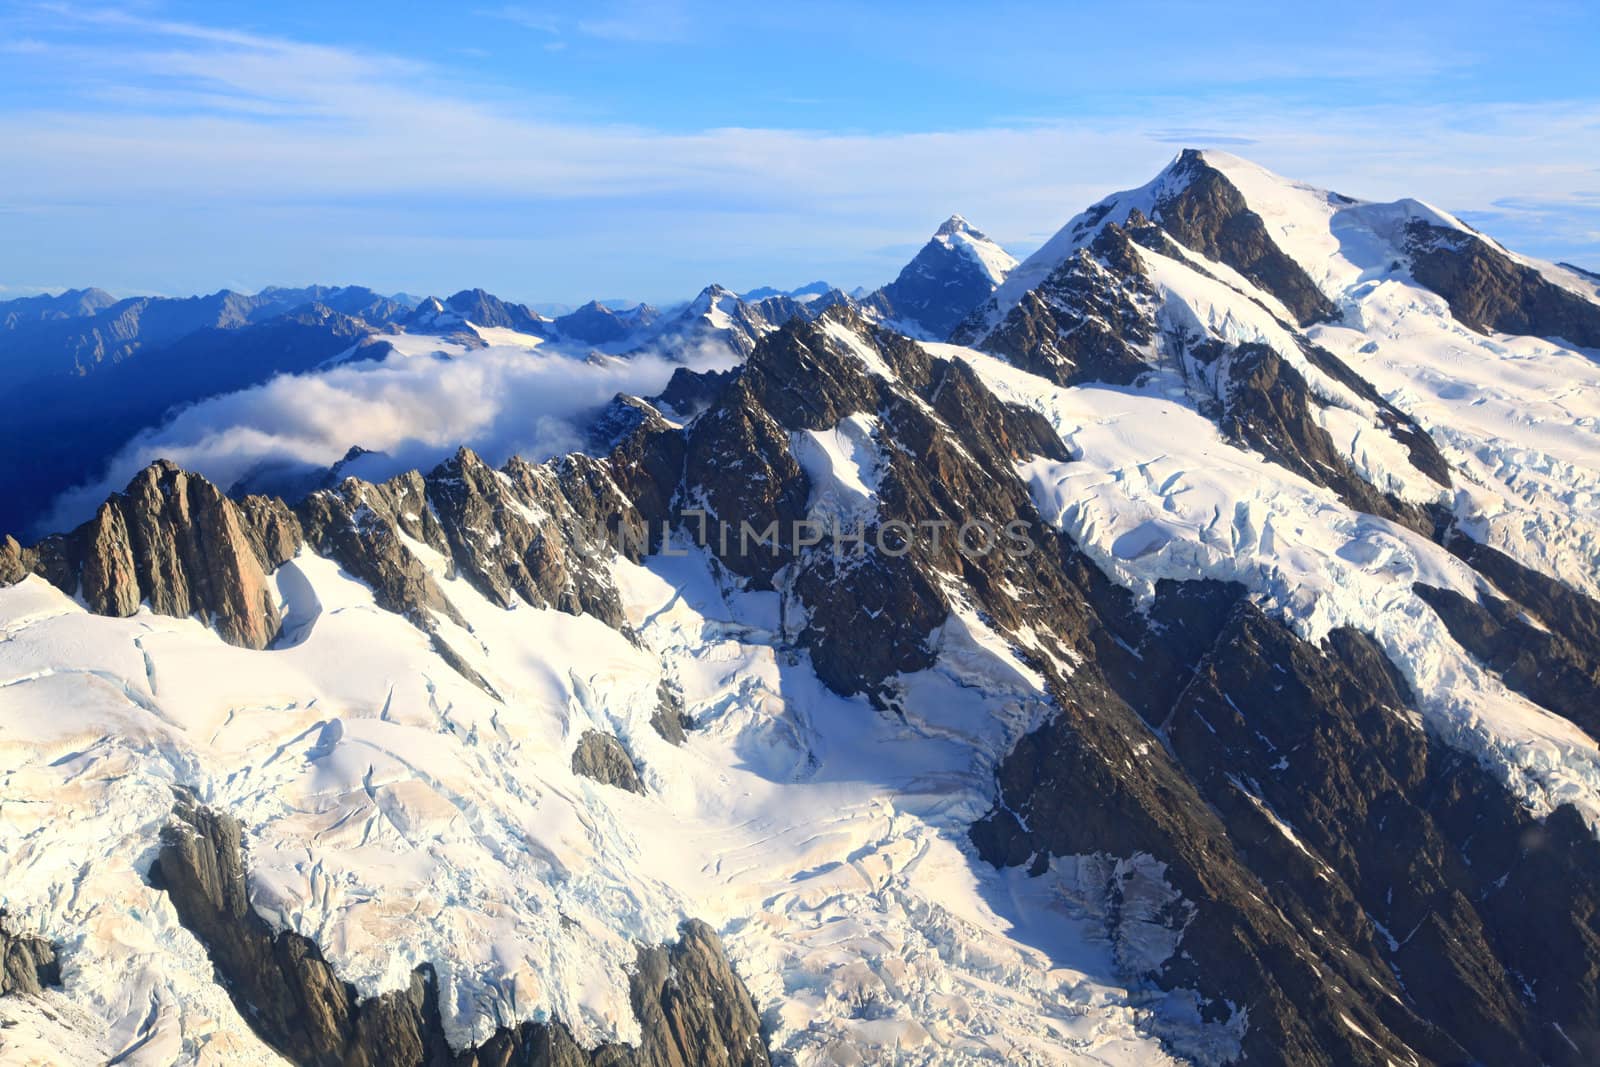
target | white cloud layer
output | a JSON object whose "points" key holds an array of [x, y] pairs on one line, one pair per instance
{"points": [[416, 409]]}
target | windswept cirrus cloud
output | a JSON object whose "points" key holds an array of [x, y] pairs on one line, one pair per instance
{"points": [[201, 155]]}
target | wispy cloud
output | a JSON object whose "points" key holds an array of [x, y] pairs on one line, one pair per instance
{"points": [[200, 122], [630, 21], [416, 410]]}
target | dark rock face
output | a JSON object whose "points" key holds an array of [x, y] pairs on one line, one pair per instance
{"points": [[1542, 665], [691, 1006], [174, 541], [1210, 216], [1093, 319], [513, 534], [940, 286], [690, 392], [1359, 775], [27, 964], [738, 467], [1090, 320], [1568, 613], [1487, 290], [602, 757], [526, 532], [670, 720], [1307, 773], [360, 526], [532, 534], [1540, 636], [1170, 739], [1268, 407]]}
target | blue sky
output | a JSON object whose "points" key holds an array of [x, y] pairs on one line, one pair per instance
{"points": [[557, 152]]}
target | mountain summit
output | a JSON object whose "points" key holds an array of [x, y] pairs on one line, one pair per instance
{"points": [[1195, 660], [953, 273]]}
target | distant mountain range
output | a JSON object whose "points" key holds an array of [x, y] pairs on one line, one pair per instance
{"points": [[88, 371], [1192, 658]]}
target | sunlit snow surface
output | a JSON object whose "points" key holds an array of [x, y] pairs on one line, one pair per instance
{"points": [[397, 814], [1517, 417]]}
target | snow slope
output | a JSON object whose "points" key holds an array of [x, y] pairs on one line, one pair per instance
{"points": [[995, 262], [1154, 491], [397, 814], [1518, 418]]}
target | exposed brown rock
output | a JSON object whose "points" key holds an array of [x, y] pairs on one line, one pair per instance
{"points": [[16, 562], [110, 584], [1488, 290], [691, 1007], [171, 540], [601, 756], [1210, 216], [273, 529], [27, 963]]}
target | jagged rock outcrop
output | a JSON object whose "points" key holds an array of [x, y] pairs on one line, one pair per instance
{"points": [[1209, 215], [601, 756], [1312, 764], [1530, 658], [953, 273], [27, 964], [1488, 290], [1268, 406], [1094, 319], [1141, 757], [16, 562], [1540, 636], [692, 1008], [1090, 320], [539, 534], [513, 533], [1556, 605], [364, 528], [670, 720], [690, 392], [174, 541]]}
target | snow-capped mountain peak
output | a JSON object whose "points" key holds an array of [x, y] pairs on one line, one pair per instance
{"points": [[995, 262], [1277, 743], [957, 269], [955, 224]]}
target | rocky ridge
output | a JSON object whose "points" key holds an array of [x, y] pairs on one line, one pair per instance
{"points": [[1238, 790], [953, 273], [691, 1007]]}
